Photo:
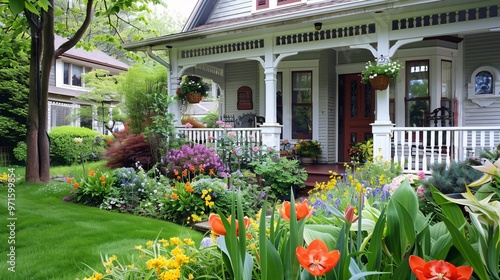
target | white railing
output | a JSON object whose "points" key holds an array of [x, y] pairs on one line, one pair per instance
{"points": [[416, 148], [211, 137]]}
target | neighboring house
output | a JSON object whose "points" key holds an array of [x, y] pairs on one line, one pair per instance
{"points": [[66, 84], [302, 61]]}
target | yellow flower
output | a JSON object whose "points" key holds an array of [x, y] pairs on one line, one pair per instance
{"points": [[95, 276], [164, 242], [188, 241], [157, 263], [177, 251], [171, 274], [138, 247], [149, 243], [175, 241], [181, 259], [190, 276]]}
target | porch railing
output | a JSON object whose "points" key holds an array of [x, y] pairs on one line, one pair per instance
{"points": [[416, 148], [211, 137]]}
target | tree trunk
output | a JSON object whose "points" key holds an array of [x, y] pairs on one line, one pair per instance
{"points": [[32, 156]]}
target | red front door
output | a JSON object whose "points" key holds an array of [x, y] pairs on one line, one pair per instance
{"points": [[357, 112]]}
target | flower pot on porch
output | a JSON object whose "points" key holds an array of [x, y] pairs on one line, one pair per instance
{"points": [[306, 160], [193, 97], [380, 82]]}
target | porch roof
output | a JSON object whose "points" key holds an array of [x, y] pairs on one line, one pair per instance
{"points": [[283, 19]]}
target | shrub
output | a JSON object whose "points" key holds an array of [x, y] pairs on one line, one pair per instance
{"points": [[130, 189], [20, 151], [127, 150], [93, 188], [280, 175], [210, 119], [70, 143], [192, 160]]}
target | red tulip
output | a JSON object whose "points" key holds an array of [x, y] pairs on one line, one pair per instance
{"points": [[349, 214], [316, 258], [438, 270], [217, 226], [302, 209]]}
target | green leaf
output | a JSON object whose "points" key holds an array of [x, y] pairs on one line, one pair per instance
{"points": [[451, 210], [16, 6], [358, 274], [467, 251], [326, 233]]}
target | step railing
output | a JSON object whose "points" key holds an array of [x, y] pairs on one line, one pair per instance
{"points": [[416, 148]]}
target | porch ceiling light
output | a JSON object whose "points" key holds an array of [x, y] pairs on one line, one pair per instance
{"points": [[318, 25]]}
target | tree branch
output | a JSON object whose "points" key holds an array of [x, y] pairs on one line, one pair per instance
{"points": [[89, 14]]}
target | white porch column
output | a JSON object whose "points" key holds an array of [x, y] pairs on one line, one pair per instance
{"points": [[173, 84], [381, 128], [270, 129]]}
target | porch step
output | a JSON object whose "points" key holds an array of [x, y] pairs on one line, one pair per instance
{"points": [[321, 173]]}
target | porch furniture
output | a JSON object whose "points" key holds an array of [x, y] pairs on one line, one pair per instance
{"points": [[229, 119], [441, 115], [259, 120], [246, 121]]}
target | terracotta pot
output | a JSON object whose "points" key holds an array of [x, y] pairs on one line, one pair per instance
{"points": [[194, 97], [380, 82]]}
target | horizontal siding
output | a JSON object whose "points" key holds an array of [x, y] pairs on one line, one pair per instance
{"points": [[480, 50], [230, 9], [238, 75]]}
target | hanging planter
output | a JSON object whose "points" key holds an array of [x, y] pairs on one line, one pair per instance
{"points": [[380, 72], [193, 97], [380, 82]]}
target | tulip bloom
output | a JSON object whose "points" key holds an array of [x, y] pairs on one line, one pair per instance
{"points": [[438, 270], [302, 209], [316, 258], [217, 226], [349, 214]]}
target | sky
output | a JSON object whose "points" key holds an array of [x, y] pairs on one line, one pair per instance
{"points": [[185, 7]]}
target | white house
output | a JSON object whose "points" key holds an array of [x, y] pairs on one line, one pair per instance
{"points": [[302, 61], [66, 83]]}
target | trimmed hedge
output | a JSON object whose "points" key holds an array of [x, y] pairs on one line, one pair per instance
{"points": [[68, 143]]}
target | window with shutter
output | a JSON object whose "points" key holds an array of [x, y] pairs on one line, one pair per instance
{"points": [[262, 4]]}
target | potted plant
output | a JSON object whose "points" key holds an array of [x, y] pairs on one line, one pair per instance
{"points": [[380, 72], [192, 89], [308, 149]]}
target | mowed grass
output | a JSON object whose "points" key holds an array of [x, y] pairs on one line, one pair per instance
{"points": [[55, 239]]}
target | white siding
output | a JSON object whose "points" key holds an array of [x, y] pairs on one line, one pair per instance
{"points": [[328, 107], [238, 75], [230, 9], [480, 50]]}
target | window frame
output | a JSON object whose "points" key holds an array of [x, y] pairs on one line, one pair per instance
{"points": [[409, 99], [68, 68], [296, 105]]}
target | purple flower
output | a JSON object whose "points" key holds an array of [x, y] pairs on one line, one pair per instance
{"points": [[66, 198]]}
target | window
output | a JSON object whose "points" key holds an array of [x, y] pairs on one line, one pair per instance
{"points": [[484, 83], [59, 115], [446, 84], [302, 105], [73, 74], [484, 86], [417, 92], [264, 4]]}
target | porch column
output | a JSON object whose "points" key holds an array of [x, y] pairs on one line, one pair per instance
{"points": [[382, 126], [270, 129], [173, 84]]}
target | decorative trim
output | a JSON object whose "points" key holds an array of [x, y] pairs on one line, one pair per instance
{"points": [[484, 99], [335, 33], [224, 48], [452, 16]]}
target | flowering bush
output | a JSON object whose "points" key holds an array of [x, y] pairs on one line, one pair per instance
{"points": [[191, 84], [93, 188], [386, 67], [173, 259], [308, 148], [188, 161]]}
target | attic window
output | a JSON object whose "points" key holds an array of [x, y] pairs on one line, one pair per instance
{"points": [[284, 2], [484, 86], [264, 4]]}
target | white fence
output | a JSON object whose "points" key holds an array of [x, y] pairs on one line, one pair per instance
{"points": [[415, 148]]}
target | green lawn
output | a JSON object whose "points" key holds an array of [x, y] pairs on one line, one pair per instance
{"points": [[54, 238]]}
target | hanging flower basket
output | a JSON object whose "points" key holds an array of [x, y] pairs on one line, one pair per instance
{"points": [[380, 82], [193, 97]]}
